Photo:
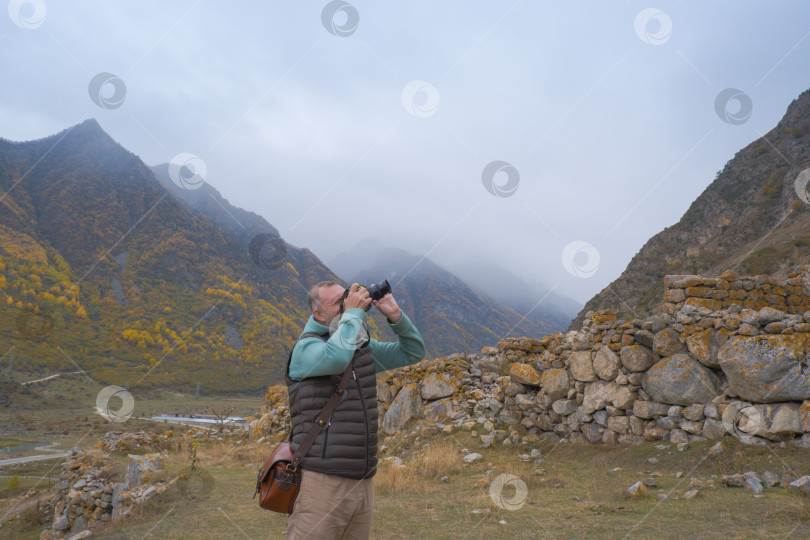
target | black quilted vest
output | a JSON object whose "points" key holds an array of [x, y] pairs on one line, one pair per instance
{"points": [[348, 447]]}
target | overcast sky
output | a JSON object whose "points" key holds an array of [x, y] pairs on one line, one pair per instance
{"points": [[339, 122]]}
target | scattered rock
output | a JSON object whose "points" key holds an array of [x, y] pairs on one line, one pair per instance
{"points": [[716, 449], [472, 457], [636, 490]]}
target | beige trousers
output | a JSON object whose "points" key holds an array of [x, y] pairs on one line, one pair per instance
{"points": [[331, 507]]}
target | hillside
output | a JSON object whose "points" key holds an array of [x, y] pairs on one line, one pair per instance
{"points": [[749, 219], [102, 268]]}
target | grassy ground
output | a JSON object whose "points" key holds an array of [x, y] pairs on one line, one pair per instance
{"points": [[575, 492], [570, 495]]}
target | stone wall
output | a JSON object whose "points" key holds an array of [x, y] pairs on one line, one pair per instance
{"points": [[680, 376], [698, 374], [791, 295], [86, 496]]}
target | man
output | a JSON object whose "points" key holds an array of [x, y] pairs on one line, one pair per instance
{"points": [[336, 495]]}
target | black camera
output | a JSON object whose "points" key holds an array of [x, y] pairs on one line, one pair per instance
{"points": [[375, 291]]}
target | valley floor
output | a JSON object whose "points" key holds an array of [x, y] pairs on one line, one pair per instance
{"points": [[572, 492]]}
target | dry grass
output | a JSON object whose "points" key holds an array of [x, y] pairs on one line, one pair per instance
{"points": [[570, 495], [229, 454], [429, 464]]}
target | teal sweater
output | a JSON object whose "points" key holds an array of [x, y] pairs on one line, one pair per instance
{"points": [[313, 357]]}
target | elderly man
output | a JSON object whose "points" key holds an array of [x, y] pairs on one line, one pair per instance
{"points": [[336, 495]]}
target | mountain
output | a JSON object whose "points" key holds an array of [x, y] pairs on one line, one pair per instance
{"points": [[236, 222], [537, 302], [750, 219], [450, 315], [545, 308], [102, 268]]}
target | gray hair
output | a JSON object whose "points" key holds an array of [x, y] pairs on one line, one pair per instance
{"points": [[313, 296]]}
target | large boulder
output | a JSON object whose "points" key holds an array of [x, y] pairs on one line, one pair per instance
{"points": [[606, 364], [680, 380], [637, 358], [404, 407], [438, 384], [581, 366], [555, 383], [767, 368]]}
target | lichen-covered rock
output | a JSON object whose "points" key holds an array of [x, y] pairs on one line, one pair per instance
{"points": [[768, 315], [667, 342], [439, 409], [404, 407], [693, 413], [637, 358], [555, 383], [438, 384], [581, 366], [636, 490], [680, 380], [705, 345], [606, 364], [142, 469], [767, 368], [524, 374]]}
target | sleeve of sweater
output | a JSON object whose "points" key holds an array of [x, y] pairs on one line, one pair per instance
{"points": [[313, 356], [409, 348]]}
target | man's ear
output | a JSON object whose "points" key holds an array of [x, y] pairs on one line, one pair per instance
{"points": [[318, 315]]}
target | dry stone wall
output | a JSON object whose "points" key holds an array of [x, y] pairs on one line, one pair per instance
{"points": [[791, 295], [701, 371]]}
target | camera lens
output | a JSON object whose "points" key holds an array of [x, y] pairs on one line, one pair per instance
{"points": [[377, 291]]}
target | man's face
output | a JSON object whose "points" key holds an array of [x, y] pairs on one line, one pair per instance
{"points": [[330, 304]]}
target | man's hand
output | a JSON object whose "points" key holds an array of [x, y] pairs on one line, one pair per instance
{"points": [[388, 307], [357, 298]]}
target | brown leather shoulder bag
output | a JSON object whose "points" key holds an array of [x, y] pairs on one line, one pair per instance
{"points": [[280, 479]]}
